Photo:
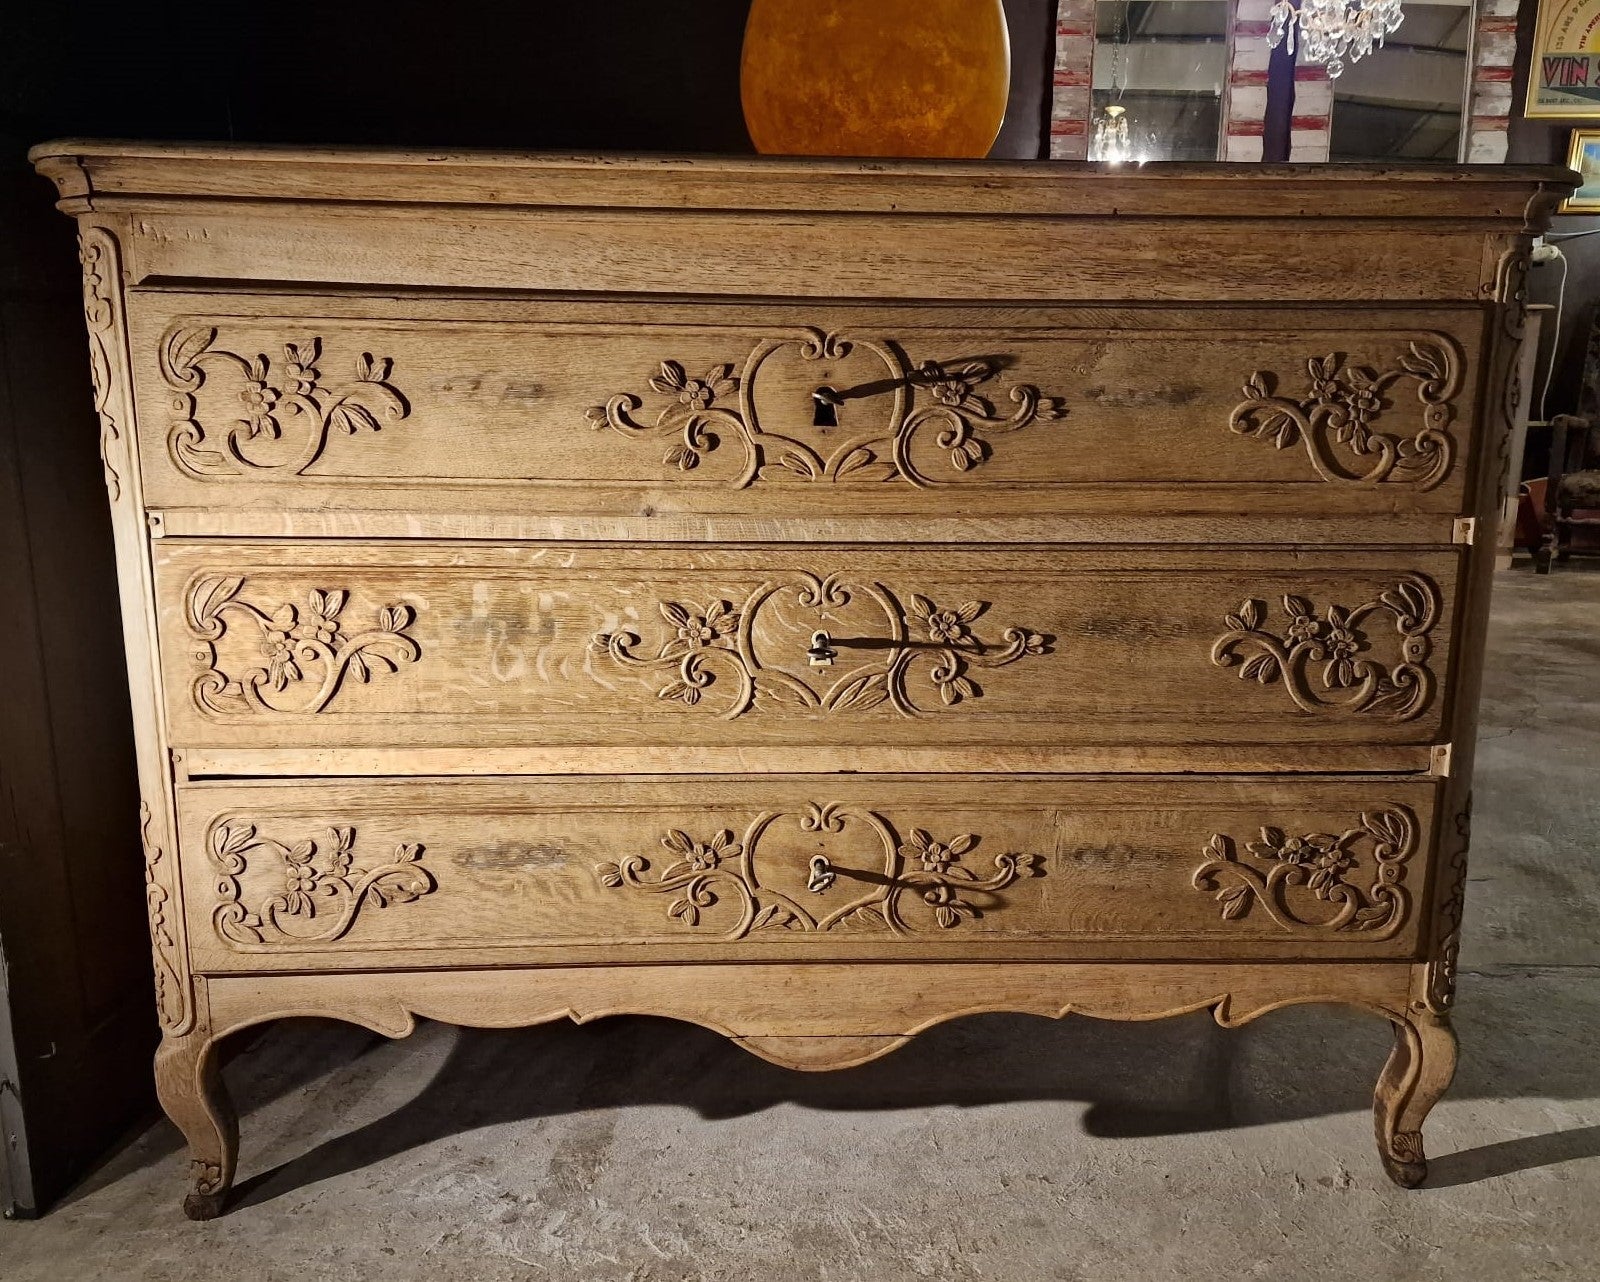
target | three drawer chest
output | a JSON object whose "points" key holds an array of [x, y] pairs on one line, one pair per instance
{"points": [[809, 599]]}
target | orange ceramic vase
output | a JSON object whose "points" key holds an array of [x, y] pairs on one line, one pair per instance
{"points": [[875, 77]]}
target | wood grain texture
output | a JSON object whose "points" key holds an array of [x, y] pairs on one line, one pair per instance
{"points": [[916, 589], [274, 402], [433, 645], [108, 172], [424, 873]]}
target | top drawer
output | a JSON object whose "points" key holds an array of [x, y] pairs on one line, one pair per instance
{"points": [[290, 413]]}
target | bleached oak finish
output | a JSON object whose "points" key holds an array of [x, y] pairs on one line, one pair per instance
{"points": [[809, 599]]}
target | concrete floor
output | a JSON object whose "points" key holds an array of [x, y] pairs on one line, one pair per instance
{"points": [[997, 1147]]}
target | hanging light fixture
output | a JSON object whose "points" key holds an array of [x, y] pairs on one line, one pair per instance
{"points": [[1111, 135], [1334, 31], [1110, 140]]}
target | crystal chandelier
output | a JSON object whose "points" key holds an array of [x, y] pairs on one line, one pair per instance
{"points": [[1332, 31], [1110, 140], [1111, 136]]}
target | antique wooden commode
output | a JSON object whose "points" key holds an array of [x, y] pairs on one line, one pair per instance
{"points": [[810, 599]]}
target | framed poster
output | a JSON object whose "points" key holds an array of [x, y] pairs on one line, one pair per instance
{"points": [[1584, 156], [1564, 77]]}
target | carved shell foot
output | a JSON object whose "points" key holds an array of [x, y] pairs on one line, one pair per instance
{"points": [[202, 1206], [1403, 1159]]}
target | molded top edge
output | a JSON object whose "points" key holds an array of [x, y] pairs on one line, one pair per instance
{"points": [[91, 149], [127, 174]]}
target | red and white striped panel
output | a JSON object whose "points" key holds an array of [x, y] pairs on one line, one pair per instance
{"points": [[1070, 105], [1312, 122], [1494, 52], [1244, 100], [1244, 103]]}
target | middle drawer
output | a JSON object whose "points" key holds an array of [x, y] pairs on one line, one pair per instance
{"points": [[285, 645]]}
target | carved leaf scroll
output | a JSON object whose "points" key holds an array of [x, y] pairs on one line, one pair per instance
{"points": [[1320, 655], [309, 655], [97, 254], [1440, 983], [723, 872], [322, 893], [1337, 420], [944, 401], [172, 989], [922, 649], [294, 404], [1301, 882]]}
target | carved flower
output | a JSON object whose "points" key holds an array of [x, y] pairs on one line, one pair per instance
{"points": [[936, 856], [259, 398], [696, 393], [700, 856], [954, 387], [1304, 627], [1318, 853], [1325, 385], [1327, 869], [300, 878], [1361, 397], [320, 622], [300, 368], [697, 630], [1340, 644], [946, 627], [278, 645]]}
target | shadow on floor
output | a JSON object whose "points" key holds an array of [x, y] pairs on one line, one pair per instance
{"points": [[1508, 1156], [1174, 1076]]}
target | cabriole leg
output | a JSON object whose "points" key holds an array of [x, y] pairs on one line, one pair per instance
{"points": [[191, 1091], [1417, 1074]]}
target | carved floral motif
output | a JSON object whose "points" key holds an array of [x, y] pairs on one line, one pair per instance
{"points": [[936, 644], [308, 653], [1333, 642], [323, 892], [295, 400], [723, 870], [172, 995], [943, 399], [1336, 420], [1318, 863]]}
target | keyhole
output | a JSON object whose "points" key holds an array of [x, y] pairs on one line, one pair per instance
{"points": [[824, 407]]}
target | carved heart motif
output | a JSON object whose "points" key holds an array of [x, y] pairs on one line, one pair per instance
{"points": [[860, 853], [897, 649]]}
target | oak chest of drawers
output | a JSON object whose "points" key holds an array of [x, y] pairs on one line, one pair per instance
{"points": [[813, 600]]}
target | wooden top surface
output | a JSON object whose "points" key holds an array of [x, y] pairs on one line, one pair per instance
{"points": [[110, 174]]}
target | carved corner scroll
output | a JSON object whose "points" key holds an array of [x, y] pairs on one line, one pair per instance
{"points": [[1439, 984], [173, 1000], [1319, 656], [725, 871], [1337, 419], [296, 405], [924, 648], [943, 402], [322, 894], [1318, 864], [309, 653], [101, 262]]}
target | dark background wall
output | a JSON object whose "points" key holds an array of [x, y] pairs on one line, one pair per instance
{"points": [[76, 1012], [637, 75]]}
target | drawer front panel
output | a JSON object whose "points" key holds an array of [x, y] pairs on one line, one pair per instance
{"points": [[623, 410], [321, 645], [422, 872]]}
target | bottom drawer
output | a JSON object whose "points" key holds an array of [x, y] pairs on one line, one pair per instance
{"points": [[452, 872]]}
